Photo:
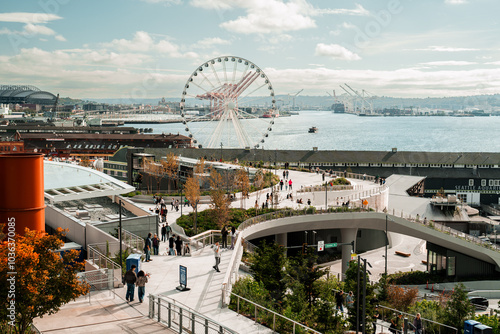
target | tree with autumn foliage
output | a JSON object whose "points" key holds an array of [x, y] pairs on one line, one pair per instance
{"points": [[44, 278], [401, 298], [220, 201], [170, 167], [243, 183], [193, 194]]}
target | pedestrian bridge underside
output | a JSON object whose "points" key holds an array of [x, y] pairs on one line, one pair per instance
{"points": [[350, 223]]}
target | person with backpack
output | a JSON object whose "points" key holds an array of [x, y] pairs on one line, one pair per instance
{"points": [[156, 244]]}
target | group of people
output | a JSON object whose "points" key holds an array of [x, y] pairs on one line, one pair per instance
{"points": [[287, 184], [175, 244], [132, 280], [161, 207], [396, 322], [225, 232]]}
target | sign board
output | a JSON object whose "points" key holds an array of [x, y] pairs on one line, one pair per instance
{"points": [[332, 245], [354, 256], [321, 246], [182, 279]]}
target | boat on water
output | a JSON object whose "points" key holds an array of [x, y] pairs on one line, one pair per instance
{"points": [[270, 114], [313, 129]]}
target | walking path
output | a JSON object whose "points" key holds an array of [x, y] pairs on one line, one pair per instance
{"points": [[109, 312]]}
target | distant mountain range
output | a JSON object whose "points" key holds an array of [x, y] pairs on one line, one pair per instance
{"points": [[379, 102]]}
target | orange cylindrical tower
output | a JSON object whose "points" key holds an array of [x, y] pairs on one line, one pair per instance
{"points": [[22, 191]]}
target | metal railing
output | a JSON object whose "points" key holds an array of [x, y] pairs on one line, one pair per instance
{"points": [[133, 241], [446, 229], [276, 317], [353, 176], [183, 319], [204, 239], [429, 326], [330, 188], [98, 280], [101, 261]]}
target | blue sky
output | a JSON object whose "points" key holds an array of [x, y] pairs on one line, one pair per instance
{"points": [[149, 48]]}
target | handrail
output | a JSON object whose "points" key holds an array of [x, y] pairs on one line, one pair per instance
{"points": [[133, 240], [423, 319], [182, 318], [94, 254], [273, 312], [448, 230], [203, 239]]}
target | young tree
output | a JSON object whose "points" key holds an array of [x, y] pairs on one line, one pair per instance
{"points": [[243, 183], [258, 183], [267, 268], [303, 268], [220, 202], [170, 167], [351, 284], [45, 279], [458, 308], [192, 190], [401, 298]]}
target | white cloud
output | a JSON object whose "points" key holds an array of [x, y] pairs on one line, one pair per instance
{"points": [[446, 49], [165, 2], [335, 51], [143, 42], [455, 2], [210, 42], [34, 29], [272, 16], [34, 18], [358, 11], [494, 63], [449, 63], [402, 82], [60, 38]]}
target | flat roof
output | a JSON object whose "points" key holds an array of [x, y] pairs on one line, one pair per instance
{"points": [[66, 182]]}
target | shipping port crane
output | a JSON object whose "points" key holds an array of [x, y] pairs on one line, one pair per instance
{"points": [[293, 97], [363, 99]]}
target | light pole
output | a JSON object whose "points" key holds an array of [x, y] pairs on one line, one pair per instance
{"points": [[364, 294], [386, 242], [120, 228], [220, 151], [326, 196], [275, 160]]}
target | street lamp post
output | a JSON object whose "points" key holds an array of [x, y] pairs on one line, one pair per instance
{"points": [[220, 151], [386, 242]]}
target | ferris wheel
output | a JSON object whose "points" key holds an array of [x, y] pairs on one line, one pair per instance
{"points": [[228, 101]]}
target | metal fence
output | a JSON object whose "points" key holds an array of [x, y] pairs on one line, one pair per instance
{"points": [[429, 326], [181, 318], [133, 241], [98, 280], [101, 261]]}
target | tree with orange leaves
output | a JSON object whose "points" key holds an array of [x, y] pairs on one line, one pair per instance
{"points": [[40, 280]]}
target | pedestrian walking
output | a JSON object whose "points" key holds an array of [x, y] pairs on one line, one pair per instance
{"points": [[156, 244], [171, 243], [339, 300], [169, 229], [147, 248], [142, 279], [417, 324], [290, 184], [217, 257], [178, 245], [130, 279], [233, 237], [163, 233], [224, 233]]}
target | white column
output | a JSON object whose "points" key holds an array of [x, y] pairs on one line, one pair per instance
{"points": [[347, 236]]}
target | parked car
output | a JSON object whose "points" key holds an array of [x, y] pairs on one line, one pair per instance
{"points": [[480, 303]]}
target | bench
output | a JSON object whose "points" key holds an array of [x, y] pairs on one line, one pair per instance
{"points": [[403, 254]]}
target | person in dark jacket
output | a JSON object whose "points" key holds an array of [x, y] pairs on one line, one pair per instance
{"points": [[147, 248], [224, 233], [130, 279], [164, 233], [178, 246]]}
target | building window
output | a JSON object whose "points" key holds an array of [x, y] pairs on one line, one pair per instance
{"points": [[462, 198], [491, 183], [450, 270], [471, 182], [483, 182]]}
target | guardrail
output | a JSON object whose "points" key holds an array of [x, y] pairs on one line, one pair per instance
{"points": [[429, 325], [100, 279], [183, 319], [448, 230], [258, 311], [206, 238], [356, 176], [101, 261], [133, 241]]}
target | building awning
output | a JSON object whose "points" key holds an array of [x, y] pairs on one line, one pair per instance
{"points": [[67, 182]]}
